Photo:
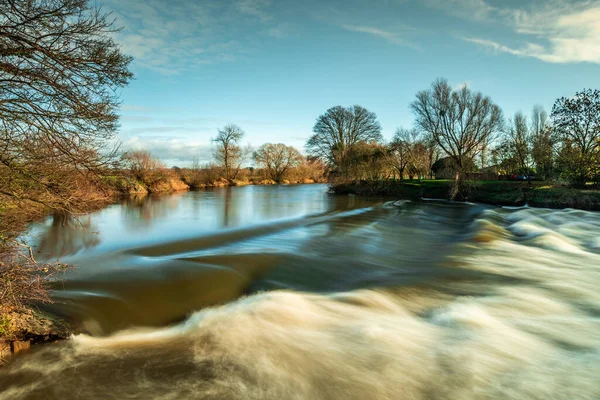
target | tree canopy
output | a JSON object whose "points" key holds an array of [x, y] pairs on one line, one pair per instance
{"points": [[338, 130], [229, 153], [577, 121], [411, 153], [60, 74], [461, 122], [60, 78], [277, 159]]}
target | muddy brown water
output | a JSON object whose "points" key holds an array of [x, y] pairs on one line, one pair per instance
{"points": [[286, 292]]}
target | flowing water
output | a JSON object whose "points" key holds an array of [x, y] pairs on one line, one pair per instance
{"points": [[286, 292]]}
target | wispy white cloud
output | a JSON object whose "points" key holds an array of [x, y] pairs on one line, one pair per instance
{"points": [[278, 31], [159, 129], [136, 118], [256, 8], [497, 47], [461, 85], [173, 36], [134, 107], [477, 10], [571, 30], [388, 35], [553, 31], [171, 150]]}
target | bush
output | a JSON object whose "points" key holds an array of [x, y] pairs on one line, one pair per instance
{"points": [[308, 171], [23, 282], [201, 176]]}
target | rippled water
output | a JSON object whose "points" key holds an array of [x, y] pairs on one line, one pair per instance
{"points": [[288, 293]]}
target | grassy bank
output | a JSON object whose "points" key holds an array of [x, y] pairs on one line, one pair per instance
{"points": [[500, 193]]}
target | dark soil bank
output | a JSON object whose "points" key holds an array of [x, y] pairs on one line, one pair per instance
{"points": [[500, 193]]}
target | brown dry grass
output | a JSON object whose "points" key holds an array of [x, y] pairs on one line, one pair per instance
{"points": [[24, 281]]}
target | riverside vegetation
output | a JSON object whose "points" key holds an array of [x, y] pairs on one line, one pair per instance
{"points": [[461, 135], [59, 103], [60, 76]]}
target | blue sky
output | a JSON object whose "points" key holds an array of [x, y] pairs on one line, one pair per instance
{"points": [[272, 66]]}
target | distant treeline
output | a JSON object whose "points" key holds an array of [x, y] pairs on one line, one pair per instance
{"points": [[458, 134], [459, 131], [140, 172]]}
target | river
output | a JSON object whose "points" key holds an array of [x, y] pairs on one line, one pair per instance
{"points": [[286, 292]]}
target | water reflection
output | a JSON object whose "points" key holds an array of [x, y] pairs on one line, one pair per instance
{"points": [[382, 300], [227, 207], [140, 220], [67, 235], [140, 212]]}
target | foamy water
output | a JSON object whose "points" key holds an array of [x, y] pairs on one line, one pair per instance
{"points": [[516, 319]]}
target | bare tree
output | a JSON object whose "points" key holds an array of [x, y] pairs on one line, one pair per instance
{"points": [[412, 153], [60, 72], [577, 121], [229, 153], [542, 143], [433, 153], [419, 160], [277, 159], [60, 75], [400, 149], [310, 169], [368, 161], [196, 166], [338, 130], [461, 122], [539, 120], [140, 161], [518, 141]]}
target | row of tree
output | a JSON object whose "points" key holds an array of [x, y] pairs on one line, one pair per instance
{"points": [[456, 131], [468, 131], [276, 159], [272, 163]]}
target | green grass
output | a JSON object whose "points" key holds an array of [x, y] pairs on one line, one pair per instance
{"points": [[563, 197], [505, 193]]}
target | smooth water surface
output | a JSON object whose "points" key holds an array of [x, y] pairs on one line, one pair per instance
{"points": [[286, 292]]}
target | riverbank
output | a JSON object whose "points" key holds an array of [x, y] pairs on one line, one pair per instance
{"points": [[305, 275], [25, 325], [20, 329], [498, 193], [125, 185]]}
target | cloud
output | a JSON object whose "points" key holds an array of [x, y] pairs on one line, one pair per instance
{"points": [[133, 107], [377, 32], [136, 118], [255, 8], [171, 150], [167, 120], [573, 33], [477, 10], [279, 31], [461, 85], [554, 32], [494, 46], [173, 36], [569, 38], [159, 129]]}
